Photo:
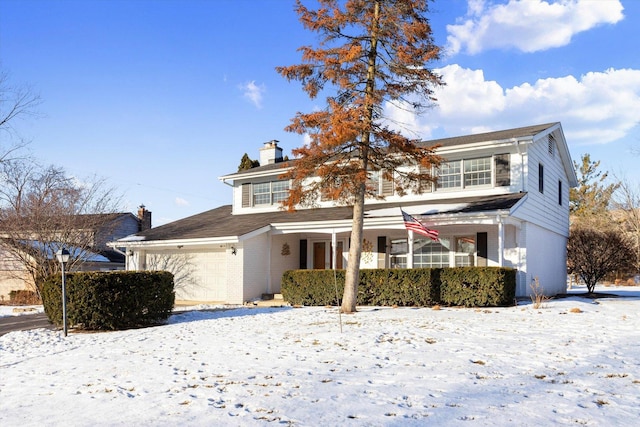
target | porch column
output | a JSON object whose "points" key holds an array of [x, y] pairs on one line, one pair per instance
{"points": [[500, 242], [410, 254], [334, 246]]}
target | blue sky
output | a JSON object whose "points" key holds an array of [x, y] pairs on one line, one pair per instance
{"points": [[162, 97]]}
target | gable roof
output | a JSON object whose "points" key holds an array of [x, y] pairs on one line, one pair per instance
{"points": [[219, 222], [501, 135], [79, 221]]}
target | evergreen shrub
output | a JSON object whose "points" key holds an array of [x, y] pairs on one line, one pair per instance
{"points": [[478, 286], [466, 286], [23, 297], [110, 300]]}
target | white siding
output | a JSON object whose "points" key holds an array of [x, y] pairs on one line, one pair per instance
{"points": [[543, 209], [280, 261], [255, 271], [546, 260]]}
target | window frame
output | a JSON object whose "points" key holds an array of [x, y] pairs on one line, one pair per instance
{"points": [[488, 173], [274, 191]]}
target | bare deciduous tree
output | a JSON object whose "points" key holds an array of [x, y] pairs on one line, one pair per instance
{"points": [[592, 254], [15, 103], [43, 209], [626, 204]]}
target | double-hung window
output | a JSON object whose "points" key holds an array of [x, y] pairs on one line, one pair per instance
{"points": [[465, 173], [477, 172], [449, 174], [269, 193]]}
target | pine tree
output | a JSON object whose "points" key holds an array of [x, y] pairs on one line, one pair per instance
{"points": [[589, 201], [246, 163], [370, 53]]}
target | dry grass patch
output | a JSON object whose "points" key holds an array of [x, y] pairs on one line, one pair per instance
{"points": [[538, 298]]}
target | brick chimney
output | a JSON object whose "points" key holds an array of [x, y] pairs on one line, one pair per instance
{"points": [[144, 218], [270, 153]]}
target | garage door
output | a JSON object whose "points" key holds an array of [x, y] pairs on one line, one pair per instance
{"points": [[199, 276], [210, 276]]}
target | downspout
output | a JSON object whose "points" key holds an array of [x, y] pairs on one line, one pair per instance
{"points": [[516, 142], [126, 258]]}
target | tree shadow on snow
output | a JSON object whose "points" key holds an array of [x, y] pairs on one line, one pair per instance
{"points": [[221, 313]]}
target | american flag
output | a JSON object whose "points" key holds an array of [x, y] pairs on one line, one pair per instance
{"points": [[416, 226]]}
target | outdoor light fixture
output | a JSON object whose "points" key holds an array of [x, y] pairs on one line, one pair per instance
{"points": [[63, 257], [233, 250]]}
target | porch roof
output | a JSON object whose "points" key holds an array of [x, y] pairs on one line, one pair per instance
{"points": [[219, 222]]}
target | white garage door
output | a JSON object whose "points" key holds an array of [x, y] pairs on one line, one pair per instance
{"points": [[199, 276], [211, 276]]}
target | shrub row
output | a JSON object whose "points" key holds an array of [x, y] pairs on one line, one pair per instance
{"points": [[111, 300], [24, 297], [461, 286]]}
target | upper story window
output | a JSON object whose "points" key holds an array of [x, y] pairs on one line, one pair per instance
{"points": [[264, 193], [560, 193], [449, 174], [467, 173], [477, 171], [540, 178]]}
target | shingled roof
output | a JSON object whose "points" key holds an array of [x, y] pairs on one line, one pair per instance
{"points": [[500, 135], [220, 222]]}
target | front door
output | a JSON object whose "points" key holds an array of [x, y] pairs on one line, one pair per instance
{"points": [[319, 255], [322, 255]]}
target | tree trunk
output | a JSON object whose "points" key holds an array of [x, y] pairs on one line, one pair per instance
{"points": [[352, 275]]}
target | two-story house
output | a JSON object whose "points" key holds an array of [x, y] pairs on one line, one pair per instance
{"points": [[501, 199]]}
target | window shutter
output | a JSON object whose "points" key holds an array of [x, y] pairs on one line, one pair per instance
{"points": [[428, 188], [303, 254], [246, 195], [502, 170], [387, 186], [481, 249], [382, 251]]}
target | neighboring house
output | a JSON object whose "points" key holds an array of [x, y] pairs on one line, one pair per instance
{"points": [[96, 229], [502, 199]]}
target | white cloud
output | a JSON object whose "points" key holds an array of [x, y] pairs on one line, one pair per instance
{"points": [[597, 108], [179, 201], [529, 25], [253, 92]]}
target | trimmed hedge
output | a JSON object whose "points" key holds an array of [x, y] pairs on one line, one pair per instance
{"points": [[24, 297], [110, 300], [467, 286], [478, 286]]}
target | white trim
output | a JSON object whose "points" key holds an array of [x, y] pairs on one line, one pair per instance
{"points": [[255, 174]]}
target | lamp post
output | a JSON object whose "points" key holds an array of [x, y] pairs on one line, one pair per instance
{"points": [[63, 257]]}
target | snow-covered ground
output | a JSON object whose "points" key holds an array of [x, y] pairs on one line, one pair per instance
{"points": [[575, 361]]}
